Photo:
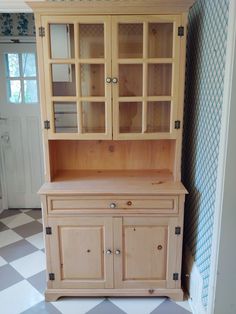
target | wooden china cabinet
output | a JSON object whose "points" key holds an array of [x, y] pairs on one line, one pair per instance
{"points": [[112, 82]]}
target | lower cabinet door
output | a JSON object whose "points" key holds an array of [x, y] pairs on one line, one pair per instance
{"points": [[79, 252], [144, 252]]}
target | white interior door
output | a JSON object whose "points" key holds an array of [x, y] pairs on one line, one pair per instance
{"points": [[20, 144]]}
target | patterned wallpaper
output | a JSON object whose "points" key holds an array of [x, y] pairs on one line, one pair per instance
{"points": [[17, 24], [206, 50]]}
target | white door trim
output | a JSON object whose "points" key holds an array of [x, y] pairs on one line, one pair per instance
{"points": [[227, 103]]}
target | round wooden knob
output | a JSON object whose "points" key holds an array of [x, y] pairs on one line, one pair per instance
{"points": [[129, 203], [159, 247]]}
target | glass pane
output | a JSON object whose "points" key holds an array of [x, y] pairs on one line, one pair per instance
{"points": [[14, 91], [158, 116], [12, 64], [63, 80], [160, 40], [91, 40], [130, 117], [28, 65], [92, 80], [93, 114], [30, 91], [130, 80], [65, 115], [130, 40], [62, 41], [159, 79]]}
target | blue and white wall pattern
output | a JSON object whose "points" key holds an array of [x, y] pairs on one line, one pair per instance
{"points": [[17, 24], [206, 51]]}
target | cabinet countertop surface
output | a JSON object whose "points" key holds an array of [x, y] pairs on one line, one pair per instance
{"points": [[113, 183]]}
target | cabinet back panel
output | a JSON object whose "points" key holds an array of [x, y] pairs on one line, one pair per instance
{"points": [[111, 155]]}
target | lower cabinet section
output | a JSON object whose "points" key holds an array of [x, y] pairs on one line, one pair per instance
{"points": [[113, 252]]}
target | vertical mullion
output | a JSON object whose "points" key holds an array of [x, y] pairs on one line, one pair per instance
{"points": [[77, 75], [21, 79], [145, 76]]}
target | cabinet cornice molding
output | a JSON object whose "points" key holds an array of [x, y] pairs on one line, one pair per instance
{"points": [[128, 7]]}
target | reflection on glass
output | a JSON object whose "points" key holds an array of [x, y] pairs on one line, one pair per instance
{"points": [[14, 91], [91, 40], [12, 64], [93, 117], [130, 117], [130, 80], [65, 115], [158, 116], [30, 91], [160, 40], [62, 41], [92, 80], [159, 79], [63, 80], [28, 65], [130, 39]]}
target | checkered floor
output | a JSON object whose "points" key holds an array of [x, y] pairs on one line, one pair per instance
{"points": [[22, 276]]}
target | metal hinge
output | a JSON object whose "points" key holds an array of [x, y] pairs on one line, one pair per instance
{"points": [[48, 230], [46, 124], [177, 230], [180, 31], [41, 31], [177, 124], [175, 276], [51, 276]]}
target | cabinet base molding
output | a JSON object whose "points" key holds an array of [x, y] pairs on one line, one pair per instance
{"points": [[54, 294]]}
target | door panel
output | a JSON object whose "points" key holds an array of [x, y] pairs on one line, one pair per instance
{"points": [[79, 247], [147, 248]]}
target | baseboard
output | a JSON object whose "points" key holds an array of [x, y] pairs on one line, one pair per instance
{"points": [[194, 283]]}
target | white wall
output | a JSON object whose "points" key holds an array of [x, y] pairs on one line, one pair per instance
{"points": [[15, 5]]}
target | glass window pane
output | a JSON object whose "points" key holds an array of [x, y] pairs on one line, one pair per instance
{"points": [[130, 117], [28, 65], [130, 79], [65, 115], [159, 79], [63, 80], [62, 41], [14, 91], [130, 39], [12, 64], [160, 40], [93, 120], [92, 80], [158, 116], [91, 40], [30, 91]]}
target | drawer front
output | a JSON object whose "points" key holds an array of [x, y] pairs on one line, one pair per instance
{"points": [[160, 204]]}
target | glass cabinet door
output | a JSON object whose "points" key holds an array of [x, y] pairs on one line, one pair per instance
{"points": [[77, 62], [144, 58]]}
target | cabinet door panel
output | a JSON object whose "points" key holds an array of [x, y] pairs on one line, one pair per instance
{"points": [[78, 247], [148, 249]]}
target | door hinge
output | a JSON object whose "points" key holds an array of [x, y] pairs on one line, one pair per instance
{"points": [[177, 230], [41, 31], [180, 31], [175, 276], [51, 276], [48, 230], [177, 124], [46, 124]]}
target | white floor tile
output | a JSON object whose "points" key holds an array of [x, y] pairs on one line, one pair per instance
{"points": [[2, 261], [185, 305], [31, 264], [8, 236], [137, 305], [19, 297], [76, 306], [36, 240], [17, 220]]}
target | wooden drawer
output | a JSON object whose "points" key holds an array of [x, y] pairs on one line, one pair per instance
{"points": [[160, 204]]}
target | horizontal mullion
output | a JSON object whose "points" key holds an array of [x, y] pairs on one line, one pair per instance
{"points": [[64, 98], [62, 61], [92, 61], [131, 61], [159, 98], [131, 99], [146, 60], [93, 99]]}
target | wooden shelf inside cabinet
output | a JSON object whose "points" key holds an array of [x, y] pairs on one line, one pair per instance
{"points": [[113, 182]]}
